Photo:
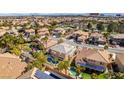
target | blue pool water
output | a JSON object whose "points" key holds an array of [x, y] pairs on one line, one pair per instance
{"points": [[72, 70], [52, 60]]}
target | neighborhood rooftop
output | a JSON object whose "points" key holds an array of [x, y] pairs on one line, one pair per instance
{"points": [[35, 73], [11, 66], [64, 48], [92, 54]]}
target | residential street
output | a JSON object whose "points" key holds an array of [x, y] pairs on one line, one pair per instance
{"points": [[113, 50]]}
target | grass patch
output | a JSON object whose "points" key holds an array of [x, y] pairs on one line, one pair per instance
{"points": [[85, 76]]}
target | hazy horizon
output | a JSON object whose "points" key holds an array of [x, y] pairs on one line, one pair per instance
{"points": [[56, 14]]}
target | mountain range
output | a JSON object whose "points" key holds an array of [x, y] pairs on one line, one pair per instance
{"points": [[57, 14]]}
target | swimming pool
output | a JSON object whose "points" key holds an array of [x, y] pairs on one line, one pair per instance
{"points": [[72, 71], [52, 60]]}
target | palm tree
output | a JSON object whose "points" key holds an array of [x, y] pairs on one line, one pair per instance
{"points": [[33, 64], [64, 65], [94, 76], [16, 51], [45, 40], [100, 26], [106, 35], [79, 69], [89, 26], [41, 58], [8, 40], [112, 27], [20, 39]]}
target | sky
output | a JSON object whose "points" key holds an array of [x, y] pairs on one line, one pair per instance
{"points": [[61, 6]]}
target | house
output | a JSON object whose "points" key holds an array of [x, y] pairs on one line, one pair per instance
{"points": [[99, 60], [50, 42], [43, 32], [11, 66], [96, 38], [13, 31], [62, 51], [5, 28], [41, 23], [120, 62], [30, 31], [2, 32], [76, 34], [35, 73], [58, 32], [84, 36], [117, 39], [79, 36], [96, 34]]}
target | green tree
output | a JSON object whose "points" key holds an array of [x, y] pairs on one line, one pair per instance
{"points": [[121, 27], [106, 47], [85, 76], [64, 65], [79, 69], [8, 41], [102, 76], [20, 39], [89, 26], [33, 37], [106, 36], [45, 40], [41, 57], [94, 76], [117, 76], [100, 27], [112, 27], [15, 51], [38, 63]]}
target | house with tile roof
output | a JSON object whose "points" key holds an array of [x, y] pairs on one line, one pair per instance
{"points": [[58, 32], [35, 73], [120, 62], [30, 31], [80, 36], [2, 32], [117, 39], [50, 43], [97, 38], [62, 51], [99, 60], [11, 66], [43, 32]]}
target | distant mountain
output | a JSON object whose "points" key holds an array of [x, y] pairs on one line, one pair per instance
{"points": [[58, 14], [42, 14]]}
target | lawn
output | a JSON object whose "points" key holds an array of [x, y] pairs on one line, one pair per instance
{"points": [[85, 76], [102, 76]]}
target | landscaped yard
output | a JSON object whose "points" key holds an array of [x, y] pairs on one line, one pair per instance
{"points": [[102, 76], [85, 76]]}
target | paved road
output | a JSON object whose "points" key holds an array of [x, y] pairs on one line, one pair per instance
{"points": [[113, 50]]}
